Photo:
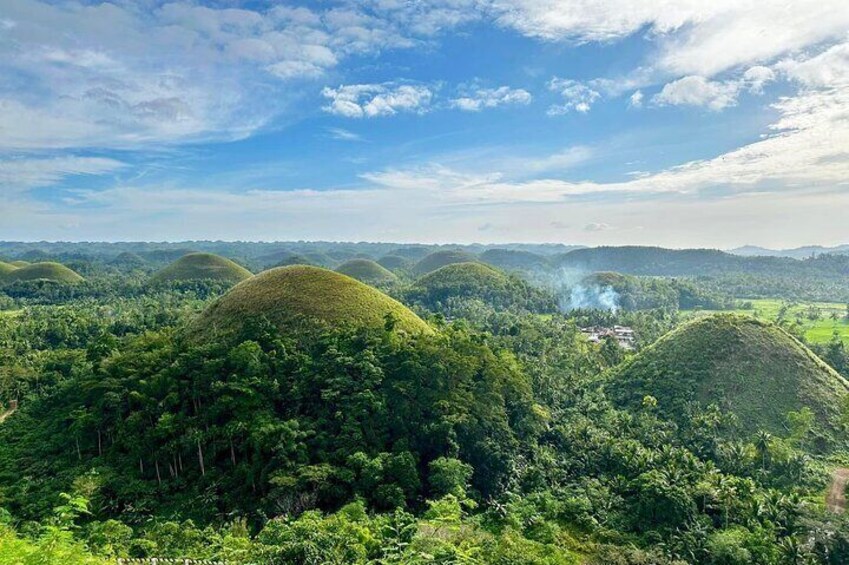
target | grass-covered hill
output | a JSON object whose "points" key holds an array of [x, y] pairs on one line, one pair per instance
{"points": [[750, 368], [514, 259], [51, 272], [367, 271], [19, 263], [439, 259], [6, 268], [202, 266], [478, 281], [395, 262], [128, 260], [288, 296]]}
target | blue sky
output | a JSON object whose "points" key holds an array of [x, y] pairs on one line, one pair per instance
{"points": [[668, 123]]}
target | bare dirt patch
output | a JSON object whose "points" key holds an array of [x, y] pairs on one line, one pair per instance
{"points": [[835, 500]]}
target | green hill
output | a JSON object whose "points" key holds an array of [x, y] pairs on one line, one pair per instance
{"points": [[53, 272], [367, 271], [476, 280], [440, 259], [753, 369], [202, 266], [20, 264], [394, 262], [293, 259], [291, 295], [6, 268], [514, 259], [128, 260]]}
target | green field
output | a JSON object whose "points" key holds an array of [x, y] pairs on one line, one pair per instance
{"points": [[815, 319]]}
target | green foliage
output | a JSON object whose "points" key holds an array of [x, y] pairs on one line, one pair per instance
{"points": [[461, 281]]}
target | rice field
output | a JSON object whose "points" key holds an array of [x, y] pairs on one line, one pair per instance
{"points": [[817, 320]]}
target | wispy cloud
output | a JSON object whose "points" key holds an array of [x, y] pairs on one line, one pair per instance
{"points": [[19, 174], [477, 99], [342, 134]]}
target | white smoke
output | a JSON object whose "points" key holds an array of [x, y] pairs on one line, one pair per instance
{"points": [[572, 292], [590, 297]]}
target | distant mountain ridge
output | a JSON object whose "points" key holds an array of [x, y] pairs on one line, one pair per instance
{"points": [[794, 253]]}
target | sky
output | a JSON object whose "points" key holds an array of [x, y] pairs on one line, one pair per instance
{"points": [[678, 123]]}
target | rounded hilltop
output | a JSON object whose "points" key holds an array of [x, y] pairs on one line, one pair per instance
{"points": [[394, 262], [463, 279], [367, 271], [20, 264], [477, 281], [202, 266], [47, 271], [439, 259], [289, 297], [753, 369], [6, 268]]}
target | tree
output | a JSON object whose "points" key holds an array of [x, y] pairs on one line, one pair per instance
{"points": [[763, 440]]}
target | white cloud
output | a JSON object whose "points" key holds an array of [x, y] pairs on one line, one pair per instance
{"points": [[479, 98], [828, 69], [593, 227], [373, 100], [79, 74], [755, 78], [344, 135], [577, 96], [694, 37], [19, 174], [698, 91], [636, 99]]}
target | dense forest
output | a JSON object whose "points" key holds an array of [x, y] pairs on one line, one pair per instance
{"points": [[248, 403]]}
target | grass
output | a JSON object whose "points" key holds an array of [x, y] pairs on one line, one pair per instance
{"points": [[53, 272], [202, 266], [464, 277], [289, 296], [440, 259], [819, 330], [367, 271], [6, 268], [746, 366]]}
